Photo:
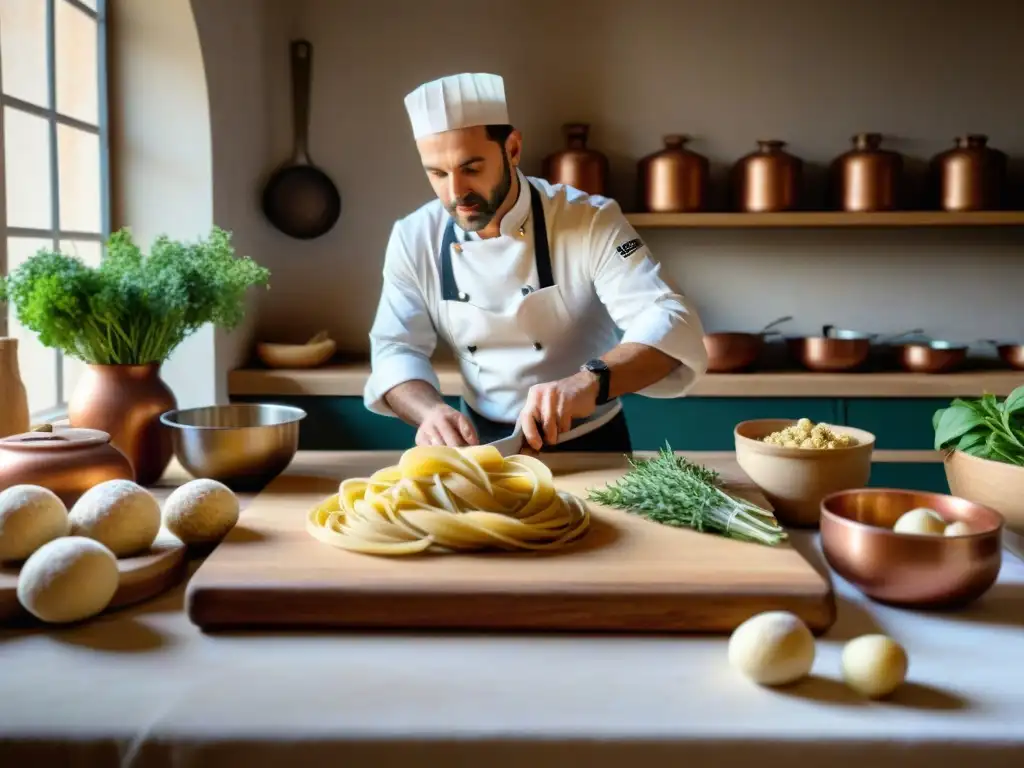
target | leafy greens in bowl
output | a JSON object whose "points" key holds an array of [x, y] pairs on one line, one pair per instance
{"points": [[984, 427]]}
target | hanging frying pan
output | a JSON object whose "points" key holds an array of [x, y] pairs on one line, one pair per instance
{"points": [[300, 199]]}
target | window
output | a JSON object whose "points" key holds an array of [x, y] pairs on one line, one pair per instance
{"points": [[53, 128]]}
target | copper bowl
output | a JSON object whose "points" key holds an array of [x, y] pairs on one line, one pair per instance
{"points": [[932, 356], [836, 349], [1011, 353], [906, 569], [732, 351]]}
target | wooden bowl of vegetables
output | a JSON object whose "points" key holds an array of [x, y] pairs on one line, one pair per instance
{"points": [[984, 461], [796, 463]]}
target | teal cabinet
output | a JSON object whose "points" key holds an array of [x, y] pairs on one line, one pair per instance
{"points": [[914, 476], [707, 423], [899, 424]]}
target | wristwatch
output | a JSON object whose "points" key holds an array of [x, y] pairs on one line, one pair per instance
{"points": [[600, 369]]}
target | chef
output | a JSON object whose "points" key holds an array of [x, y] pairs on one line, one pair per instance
{"points": [[551, 302]]}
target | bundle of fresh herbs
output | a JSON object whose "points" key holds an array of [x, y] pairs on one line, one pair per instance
{"points": [[133, 308], [672, 490], [984, 427]]}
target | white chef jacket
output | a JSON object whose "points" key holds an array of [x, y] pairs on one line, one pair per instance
{"points": [[508, 335]]}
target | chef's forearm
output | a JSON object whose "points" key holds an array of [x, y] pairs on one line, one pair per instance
{"points": [[412, 400], [635, 367]]}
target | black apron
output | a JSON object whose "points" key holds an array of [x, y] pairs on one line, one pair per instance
{"points": [[612, 437]]}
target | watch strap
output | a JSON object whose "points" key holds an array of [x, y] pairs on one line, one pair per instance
{"points": [[601, 370]]}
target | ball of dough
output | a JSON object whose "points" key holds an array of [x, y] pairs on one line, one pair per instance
{"points": [[772, 648], [921, 521], [201, 511], [30, 516], [874, 665], [120, 514], [959, 528], [68, 579]]}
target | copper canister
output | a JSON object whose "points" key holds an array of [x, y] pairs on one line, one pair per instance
{"points": [[971, 176], [867, 177], [674, 179], [768, 179], [577, 165]]}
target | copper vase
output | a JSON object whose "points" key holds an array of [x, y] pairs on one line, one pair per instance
{"points": [[67, 461], [13, 399], [971, 176], [126, 401], [577, 165], [867, 177], [674, 179], [767, 179]]}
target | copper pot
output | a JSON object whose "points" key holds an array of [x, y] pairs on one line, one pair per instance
{"points": [[576, 165], [867, 178], [835, 350], [768, 179], [674, 179], [731, 351], [1011, 353], [68, 461], [970, 177], [126, 401], [932, 356]]}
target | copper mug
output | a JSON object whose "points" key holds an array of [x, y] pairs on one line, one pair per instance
{"points": [[867, 177], [674, 179]]}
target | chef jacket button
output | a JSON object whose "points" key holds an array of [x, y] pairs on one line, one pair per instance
{"points": [[526, 290], [471, 348], [536, 345], [463, 296], [458, 247]]}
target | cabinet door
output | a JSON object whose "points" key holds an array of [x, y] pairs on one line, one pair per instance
{"points": [[924, 476], [897, 423], [707, 423]]}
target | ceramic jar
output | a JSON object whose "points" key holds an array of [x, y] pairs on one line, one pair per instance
{"points": [[126, 402], [768, 179], [13, 399], [68, 461], [674, 179], [577, 165], [971, 176], [867, 177]]}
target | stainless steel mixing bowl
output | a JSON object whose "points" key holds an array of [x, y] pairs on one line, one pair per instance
{"points": [[243, 445]]}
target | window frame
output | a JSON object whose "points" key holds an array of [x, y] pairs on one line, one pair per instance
{"points": [[54, 118]]}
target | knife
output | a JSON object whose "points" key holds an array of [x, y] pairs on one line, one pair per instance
{"points": [[513, 444]]}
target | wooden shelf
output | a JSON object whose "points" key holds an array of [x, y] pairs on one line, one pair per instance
{"points": [[810, 219], [349, 378]]}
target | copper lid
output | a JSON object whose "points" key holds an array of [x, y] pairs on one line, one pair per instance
{"points": [[66, 438]]}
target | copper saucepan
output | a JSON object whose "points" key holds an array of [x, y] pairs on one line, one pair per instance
{"points": [[731, 351], [837, 349], [933, 356], [1011, 353]]}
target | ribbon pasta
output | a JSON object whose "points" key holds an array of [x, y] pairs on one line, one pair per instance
{"points": [[444, 499]]}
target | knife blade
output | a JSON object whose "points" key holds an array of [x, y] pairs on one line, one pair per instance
{"points": [[513, 444]]}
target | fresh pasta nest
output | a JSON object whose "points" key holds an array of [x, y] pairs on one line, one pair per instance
{"points": [[444, 499]]}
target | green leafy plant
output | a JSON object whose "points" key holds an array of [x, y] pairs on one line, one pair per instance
{"points": [[134, 308], [672, 490], [984, 427]]}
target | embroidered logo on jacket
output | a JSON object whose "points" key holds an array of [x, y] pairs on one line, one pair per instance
{"points": [[629, 247]]}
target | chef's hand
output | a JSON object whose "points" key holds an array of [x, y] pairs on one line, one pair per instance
{"points": [[443, 425], [551, 407]]}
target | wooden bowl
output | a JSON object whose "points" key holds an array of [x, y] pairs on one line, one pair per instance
{"points": [[308, 355], [990, 483], [795, 480], [910, 569]]}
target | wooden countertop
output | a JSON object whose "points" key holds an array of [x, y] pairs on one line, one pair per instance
{"points": [[144, 687], [347, 379]]}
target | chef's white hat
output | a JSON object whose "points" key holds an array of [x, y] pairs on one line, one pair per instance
{"points": [[457, 101]]}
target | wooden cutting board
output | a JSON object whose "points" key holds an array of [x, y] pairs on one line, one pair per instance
{"points": [[627, 574]]}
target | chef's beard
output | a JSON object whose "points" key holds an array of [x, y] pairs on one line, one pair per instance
{"points": [[487, 208]]}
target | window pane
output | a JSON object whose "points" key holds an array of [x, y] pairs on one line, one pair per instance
{"points": [[23, 47], [77, 73], [78, 157], [38, 364], [27, 172], [91, 253], [89, 3]]}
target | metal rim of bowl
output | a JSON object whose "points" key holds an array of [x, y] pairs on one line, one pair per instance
{"points": [[168, 418], [840, 520]]}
